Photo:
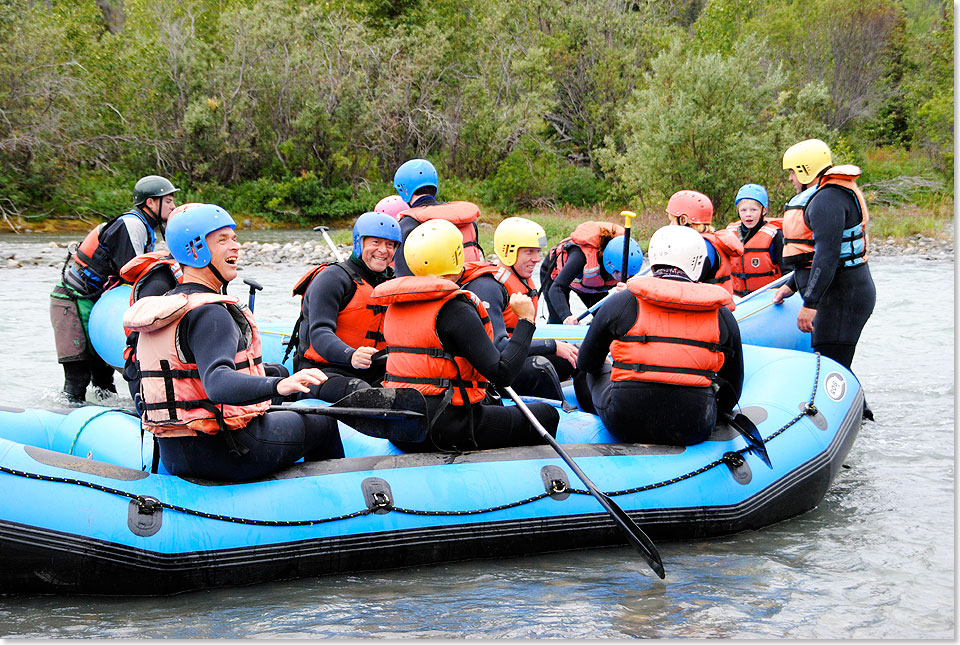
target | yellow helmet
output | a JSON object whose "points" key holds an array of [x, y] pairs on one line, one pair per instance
{"points": [[434, 248], [515, 233], [807, 158]]}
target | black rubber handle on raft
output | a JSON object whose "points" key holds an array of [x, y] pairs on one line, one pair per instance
{"points": [[635, 535]]}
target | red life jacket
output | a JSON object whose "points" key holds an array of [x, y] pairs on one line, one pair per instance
{"points": [[463, 215], [514, 284], [591, 237], [175, 403], [755, 268], [676, 337], [359, 324], [415, 357], [144, 265], [798, 242], [727, 245]]}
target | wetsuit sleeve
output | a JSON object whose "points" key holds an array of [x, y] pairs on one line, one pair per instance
{"points": [[612, 320], [572, 269], [711, 264], [494, 298], [157, 283], [461, 333], [126, 239], [776, 250], [213, 339], [731, 372], [825, 215], [327, 295]]}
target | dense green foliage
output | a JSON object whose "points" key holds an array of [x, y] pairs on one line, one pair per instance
{"points": [[299, 111]]}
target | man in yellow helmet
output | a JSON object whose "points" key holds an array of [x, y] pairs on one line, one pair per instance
{"points": [[825, 243], [440, 342], [518, 243]]}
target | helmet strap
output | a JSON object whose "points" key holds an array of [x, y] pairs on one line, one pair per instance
{"points": [[216, 274]]}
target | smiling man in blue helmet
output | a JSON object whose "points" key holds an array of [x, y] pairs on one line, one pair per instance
{"points": [[340, 328], [204, 391], [417, 183]]}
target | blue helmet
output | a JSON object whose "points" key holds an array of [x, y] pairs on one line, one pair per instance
{"points": [[187, 233], [752, 191], [374, 224], [413, 175], [613, 256]]}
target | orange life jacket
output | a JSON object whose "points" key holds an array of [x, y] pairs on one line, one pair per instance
{"points": [[174, 401], [676, 337], [727, 244], [415, 357], [514, 284], [359, 324], [755, 268], [591, 237], [89, 268], [463, 215], [798, 241], [144, 265]]}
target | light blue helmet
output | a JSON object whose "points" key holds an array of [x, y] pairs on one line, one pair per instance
{"points": [[374, 224], [613, 256], [752, 191], [187, 233], [413, 175]]}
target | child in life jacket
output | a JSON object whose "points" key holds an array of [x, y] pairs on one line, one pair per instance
{"points": [[762, 241], [693, 209]]}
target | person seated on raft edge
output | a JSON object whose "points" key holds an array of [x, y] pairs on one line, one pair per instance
{"points": [[340, 329], [440, 341], [695, 210], [762, 241], [588, 262], [518, 243], [417, 183], [677, 358], [216, 424]]}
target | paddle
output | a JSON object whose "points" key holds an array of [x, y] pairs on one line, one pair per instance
{"points": [[397, 414], [776, 283], [336, 252], [627, 217], [593, 309], [635, 535], [254, 288], [742, 424]]}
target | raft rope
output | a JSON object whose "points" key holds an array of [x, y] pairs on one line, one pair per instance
{"points": [[149, 505], [87, 422]]}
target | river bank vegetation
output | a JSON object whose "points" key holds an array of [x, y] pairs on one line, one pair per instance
{"points": [[296, 113]]}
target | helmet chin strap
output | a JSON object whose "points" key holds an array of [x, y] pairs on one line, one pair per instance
{"points": [[216, 274]]}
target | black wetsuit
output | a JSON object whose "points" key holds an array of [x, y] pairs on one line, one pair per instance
{"points": [[557, 291], [492, 425], [542, 370], [844, 297], [211, 338], [407, 224], [328, 294], [645, 412]]}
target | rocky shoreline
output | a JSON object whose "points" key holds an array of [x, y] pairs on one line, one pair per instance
{"points": [[15, 255]]}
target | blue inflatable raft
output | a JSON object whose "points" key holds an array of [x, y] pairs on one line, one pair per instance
{"points": [[761, 323], [82, 511]]}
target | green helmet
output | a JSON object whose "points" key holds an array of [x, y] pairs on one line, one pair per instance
{"points": [[151, 186]]}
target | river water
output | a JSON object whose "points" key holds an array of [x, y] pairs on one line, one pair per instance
{"points": [[875, 559]]}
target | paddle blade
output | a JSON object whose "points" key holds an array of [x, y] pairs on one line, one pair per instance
{"points": [[386, 418], [742, 424]]}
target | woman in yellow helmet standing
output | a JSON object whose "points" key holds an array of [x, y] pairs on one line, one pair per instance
{"points": [[825, 243]]}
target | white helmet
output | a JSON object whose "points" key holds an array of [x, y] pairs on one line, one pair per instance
{"points": [[680, 247]]}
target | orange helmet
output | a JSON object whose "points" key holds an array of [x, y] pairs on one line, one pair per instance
{"points": [[696, 207]]}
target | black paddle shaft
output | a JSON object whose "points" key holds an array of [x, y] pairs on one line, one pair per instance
{"points": [[635, 535]]}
